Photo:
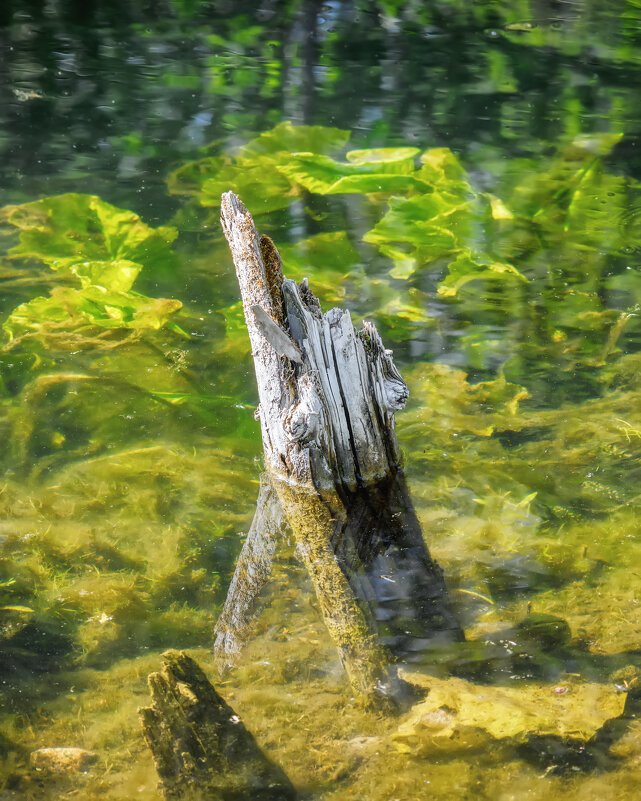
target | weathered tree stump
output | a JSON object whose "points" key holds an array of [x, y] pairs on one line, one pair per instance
{"points": [[328, 396], [201, 748]]}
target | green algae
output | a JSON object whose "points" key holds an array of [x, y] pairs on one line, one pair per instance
{"points": [[117, 593], [130, 475], [290, 692], [460, 716], [127, 585]]}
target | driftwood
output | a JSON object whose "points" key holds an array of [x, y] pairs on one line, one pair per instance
{"points": [[328, 396], [201, 748]]}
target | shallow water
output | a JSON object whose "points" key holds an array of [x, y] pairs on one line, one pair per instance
{"points": [[500, 264]]}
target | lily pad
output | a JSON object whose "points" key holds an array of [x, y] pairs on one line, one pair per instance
{"points": [[254, 171], [104, 248], [377, 170], [67, 307], [466, 268]]}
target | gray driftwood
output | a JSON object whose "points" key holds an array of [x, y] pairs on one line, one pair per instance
{"points": [[327, 400], [327, 394], [201, 748]]}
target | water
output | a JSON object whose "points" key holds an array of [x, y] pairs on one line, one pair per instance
{"points": [[131, 457]]}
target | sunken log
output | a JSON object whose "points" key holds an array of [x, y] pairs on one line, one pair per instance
{"points": [[201, 749], [327, 400]]}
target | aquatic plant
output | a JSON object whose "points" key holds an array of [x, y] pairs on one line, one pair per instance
{"points": [[101, 248], [130, 468], [557, 234]]}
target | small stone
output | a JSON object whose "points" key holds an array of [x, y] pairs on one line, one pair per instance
{"points": [[362, 742], [62, 760]]}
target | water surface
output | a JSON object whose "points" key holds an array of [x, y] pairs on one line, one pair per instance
{"points": [[131, 459]]}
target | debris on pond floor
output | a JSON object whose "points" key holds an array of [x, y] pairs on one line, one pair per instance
{"points": [[62, 760], [458, 715], [200, 745]]}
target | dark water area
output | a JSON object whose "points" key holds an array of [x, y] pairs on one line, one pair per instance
{"points": [[116, 93], [464, 174]]}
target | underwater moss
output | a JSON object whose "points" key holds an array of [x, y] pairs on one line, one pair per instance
{"points": [[129, 476]]}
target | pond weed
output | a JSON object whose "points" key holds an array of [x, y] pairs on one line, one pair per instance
{"points": [[131, 474]]}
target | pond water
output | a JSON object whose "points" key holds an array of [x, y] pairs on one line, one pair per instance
{"points": [[464, 174]]}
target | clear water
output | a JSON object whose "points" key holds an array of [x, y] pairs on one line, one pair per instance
{"points": [[130, 473]]}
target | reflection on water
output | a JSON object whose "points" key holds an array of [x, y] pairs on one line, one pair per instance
{"points": [[503, 274], [380, 548]]}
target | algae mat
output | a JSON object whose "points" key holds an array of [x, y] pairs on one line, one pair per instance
{"points": [[458, 715]]}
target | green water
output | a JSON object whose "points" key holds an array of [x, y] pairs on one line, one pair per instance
{"points": [[494, 242]]}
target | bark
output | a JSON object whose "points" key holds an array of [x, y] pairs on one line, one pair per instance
{"points": [[327, 394]]}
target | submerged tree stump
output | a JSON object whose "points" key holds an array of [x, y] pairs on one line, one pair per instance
{"points": [[328, 396], [201, 748]]}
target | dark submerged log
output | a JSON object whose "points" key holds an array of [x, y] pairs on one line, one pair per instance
{"points": [[201, 748], [382, 551], [328, 396]]}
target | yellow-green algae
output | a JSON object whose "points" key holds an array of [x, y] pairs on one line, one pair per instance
{"points": [[291, 693], [315, 519], [458, 716], [119, 556], [116, 553], [117, 544]]}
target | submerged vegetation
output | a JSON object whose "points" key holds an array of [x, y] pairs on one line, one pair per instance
{"points": [[504, 274], [125, 455]]}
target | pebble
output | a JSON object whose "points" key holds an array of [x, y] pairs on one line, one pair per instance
{"points": [[62, 760]]}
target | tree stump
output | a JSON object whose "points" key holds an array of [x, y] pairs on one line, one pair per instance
{"points": [[201, 748], [327, 400]]}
